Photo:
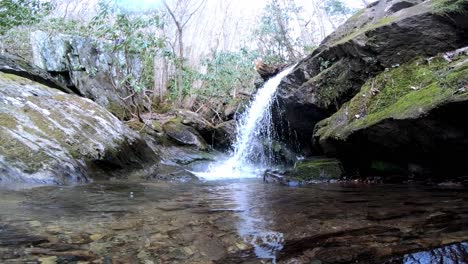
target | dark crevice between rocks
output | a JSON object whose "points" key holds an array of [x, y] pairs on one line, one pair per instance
{"points": [[64, 77], [14, 65]]}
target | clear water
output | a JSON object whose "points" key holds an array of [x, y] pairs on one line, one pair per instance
{"points": [[233, 221], [252, 147]]}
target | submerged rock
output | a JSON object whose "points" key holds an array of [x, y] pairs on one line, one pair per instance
{"points": [[384, 35], [47, 136]]}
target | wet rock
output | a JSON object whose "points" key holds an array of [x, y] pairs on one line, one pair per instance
{"points": [[210, 246], [174, 173], [48, 260], [267, 71], [96, 237], [64, 256], [184, 135], [181, 155], [281, 152], [307, 171], [232, 108], [49, 137], [317, 170], [224, 135], [11, 237], [367, 44]]}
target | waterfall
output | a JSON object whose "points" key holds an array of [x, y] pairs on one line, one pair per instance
{"points": [[252, 147]]}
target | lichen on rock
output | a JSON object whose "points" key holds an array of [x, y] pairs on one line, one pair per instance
{"points": [[48, 136]]}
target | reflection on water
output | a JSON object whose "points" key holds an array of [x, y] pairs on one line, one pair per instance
{"points": [[233, 221], [253, 227], [452, 254]]}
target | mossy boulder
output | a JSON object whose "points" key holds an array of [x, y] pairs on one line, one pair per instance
{"points": [[195, 120], [384, 35], [184, 135], [50, 137], [319, 169], [412, 116]]}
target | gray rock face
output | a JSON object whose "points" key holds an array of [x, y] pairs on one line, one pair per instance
{"points": [[384, 35], [16, 66], [184, 135], [87, 66], [50, 137], [192, 119]]}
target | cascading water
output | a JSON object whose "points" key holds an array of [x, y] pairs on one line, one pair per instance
{"points": [[254, 134]]}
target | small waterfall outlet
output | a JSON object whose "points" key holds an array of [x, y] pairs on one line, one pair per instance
{"points": [[252, 148]]}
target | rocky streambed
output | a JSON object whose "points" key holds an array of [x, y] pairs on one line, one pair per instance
{"points": [[241, 221]]}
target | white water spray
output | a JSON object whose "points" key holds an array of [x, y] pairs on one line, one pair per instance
{"points": [[253, 132]]}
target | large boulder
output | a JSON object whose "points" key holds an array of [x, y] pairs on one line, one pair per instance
{"points": [[50, 137], [410, 120], [195, 120], [184, 135], [88, 67], [384, 35]]}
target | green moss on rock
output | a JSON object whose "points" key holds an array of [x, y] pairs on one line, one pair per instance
{"points": [[47, 136], [317, 169], [8, 121], [118, 110], [382, 22], [405, 92], [450, 6], [16, 152]]}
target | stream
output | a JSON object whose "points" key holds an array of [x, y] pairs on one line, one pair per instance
{"points": [[233, 221]]}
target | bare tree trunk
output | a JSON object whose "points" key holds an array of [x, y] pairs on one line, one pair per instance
{"points": [[180, 24], [318, 13], [283, 32], [160, 78], [331, 22]]}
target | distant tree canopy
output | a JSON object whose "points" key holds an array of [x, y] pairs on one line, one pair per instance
{"points": [[189, 49], [336, 8], [274, 33], [21, 12]]}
